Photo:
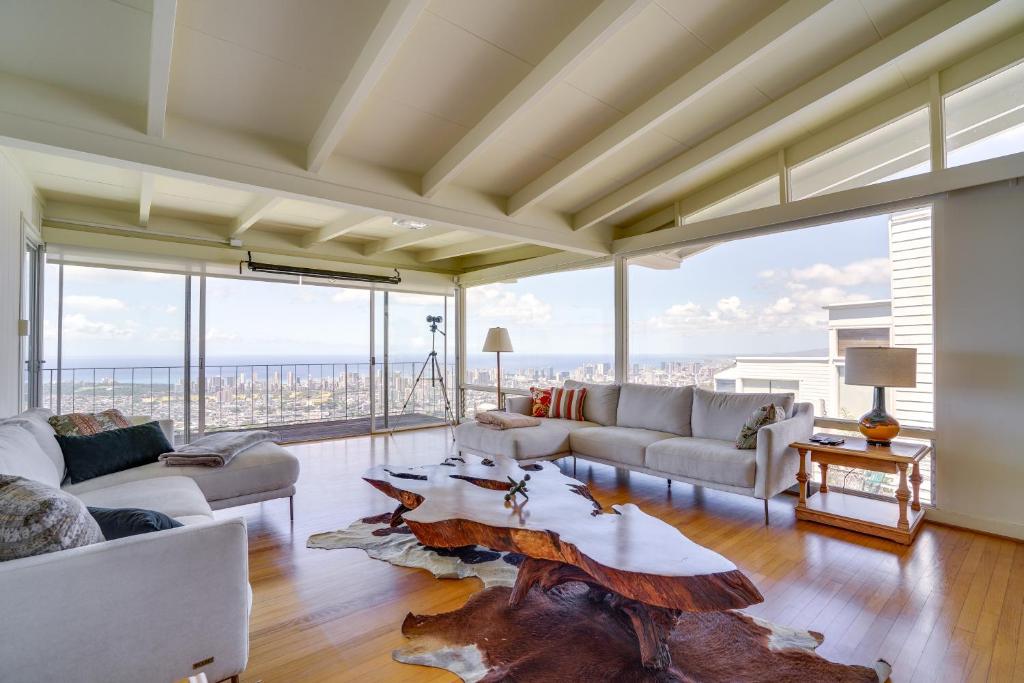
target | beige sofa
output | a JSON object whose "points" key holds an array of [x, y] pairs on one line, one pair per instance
{"points": [[679, 433], [142, 608]]}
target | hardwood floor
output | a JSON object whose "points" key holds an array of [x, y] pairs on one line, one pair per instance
{"points": [[947, 608]]}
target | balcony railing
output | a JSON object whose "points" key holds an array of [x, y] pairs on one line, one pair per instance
{"points": [[243, 396]]}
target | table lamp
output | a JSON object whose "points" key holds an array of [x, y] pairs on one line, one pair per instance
{"points": [[880, 367], [498, 342]]}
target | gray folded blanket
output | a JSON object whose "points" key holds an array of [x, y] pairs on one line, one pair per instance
{"points": [[216, 450]]}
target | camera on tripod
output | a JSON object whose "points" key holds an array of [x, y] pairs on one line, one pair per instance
{"points": [[434, 320]]}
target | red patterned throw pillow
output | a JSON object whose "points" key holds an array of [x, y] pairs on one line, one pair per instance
{"points": [[88, 424], [567, 403], [541, 401]]}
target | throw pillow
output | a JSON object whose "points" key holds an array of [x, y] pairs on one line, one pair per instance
{"points": [[541, 401], [567, 403], [765, 415], [87, 457], [84, 424], [121, 522], [36, 519]]}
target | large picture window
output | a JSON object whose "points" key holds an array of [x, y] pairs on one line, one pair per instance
{"points": [[778, 312], [561, 326]]}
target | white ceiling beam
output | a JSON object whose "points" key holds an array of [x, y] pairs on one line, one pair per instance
{"points": [[145, 198], [40, 117], [406, 239], [462, 249], [343, 225], [161, 44], [251, 215], [394, 26], [844, 82], [714, 70], [591, 33]]}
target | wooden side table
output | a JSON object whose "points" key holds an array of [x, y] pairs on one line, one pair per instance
{"points": [[858, 513]]}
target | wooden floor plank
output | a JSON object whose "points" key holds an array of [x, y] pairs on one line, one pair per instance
{"points": [[949, 607]]}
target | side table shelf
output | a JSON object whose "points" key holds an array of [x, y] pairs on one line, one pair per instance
{"points": [[897, 520]]}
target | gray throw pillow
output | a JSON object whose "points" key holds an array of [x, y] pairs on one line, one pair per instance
{"points": [[36, 519]]}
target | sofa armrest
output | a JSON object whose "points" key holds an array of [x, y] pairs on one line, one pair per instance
{"points": [[518, 404], [166, 426], [142, 608], [777, 463]]}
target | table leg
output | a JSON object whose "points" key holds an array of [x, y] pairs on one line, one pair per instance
{"points": [[902, 496], [915, 481], [801, 477], [823, 466]]}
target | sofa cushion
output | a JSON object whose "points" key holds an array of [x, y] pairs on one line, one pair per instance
{"points": [[88, 457], [123, 522], [20, 455], [720, 415], [710, 460], [34, 420], [173, 496], [601, 402], [540, 401], [551, 437], [36, 519], [264, 467], [624, 445], [658, 408]]}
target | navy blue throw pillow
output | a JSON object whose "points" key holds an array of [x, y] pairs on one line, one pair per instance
{"points": [[121, 522], [87, 457]]}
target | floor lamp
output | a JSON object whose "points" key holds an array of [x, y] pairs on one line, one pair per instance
{"points": [[498, 342]]}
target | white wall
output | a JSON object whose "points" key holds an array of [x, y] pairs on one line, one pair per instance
{"points": [[979, 359], [16, 197]]}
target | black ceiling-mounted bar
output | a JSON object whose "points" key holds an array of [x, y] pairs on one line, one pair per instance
{"points": [[257, 267]]}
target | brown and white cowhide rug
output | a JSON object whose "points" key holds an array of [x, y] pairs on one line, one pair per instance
{"points": [[399, 547], [564, 635]]}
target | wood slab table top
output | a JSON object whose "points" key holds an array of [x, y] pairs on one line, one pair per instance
{"points": [[623, 550]]}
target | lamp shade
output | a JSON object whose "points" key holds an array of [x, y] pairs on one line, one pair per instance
{"points": [[497, 340], [881, 366]]}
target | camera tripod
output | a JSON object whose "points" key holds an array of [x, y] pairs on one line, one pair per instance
{"points": [[436, 375]]}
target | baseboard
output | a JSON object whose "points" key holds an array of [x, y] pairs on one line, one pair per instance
{"points": [[996, 527]]}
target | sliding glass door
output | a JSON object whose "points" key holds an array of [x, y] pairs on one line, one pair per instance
{"points": [[414, 363], [30, 323]]}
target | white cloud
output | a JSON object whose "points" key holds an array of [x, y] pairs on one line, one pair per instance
{"points": [[215, 334], [77, 325], [345, 296], [81, 302], [866, 271], [171, 310], [496, 302], [410, 299]]}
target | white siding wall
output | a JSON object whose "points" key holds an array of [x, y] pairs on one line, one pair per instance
{"points": [[16, 197], [910, 247], [813, 376]]}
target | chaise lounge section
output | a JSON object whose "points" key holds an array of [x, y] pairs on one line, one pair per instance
{"points": [[678, 433], [153, 607]]}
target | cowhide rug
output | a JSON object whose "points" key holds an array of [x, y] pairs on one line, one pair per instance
{"points": [[564, 635], [399, 547]]}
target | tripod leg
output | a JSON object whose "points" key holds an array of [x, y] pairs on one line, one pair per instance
{"points": [[412, 391], [449, 414]]}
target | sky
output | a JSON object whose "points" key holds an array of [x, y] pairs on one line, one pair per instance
{"points": [[757, 295]]}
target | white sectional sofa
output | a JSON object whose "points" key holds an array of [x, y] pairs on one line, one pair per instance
{"points": [[154, 607], [679, 433]]}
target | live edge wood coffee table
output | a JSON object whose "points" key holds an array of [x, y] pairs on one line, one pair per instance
{"points": [[635, 562], [893, 521]]}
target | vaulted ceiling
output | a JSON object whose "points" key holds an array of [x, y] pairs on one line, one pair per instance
{"points": [[512, 128]]}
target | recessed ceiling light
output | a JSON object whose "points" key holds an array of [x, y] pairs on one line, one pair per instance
{"points": [[409, 223]]}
